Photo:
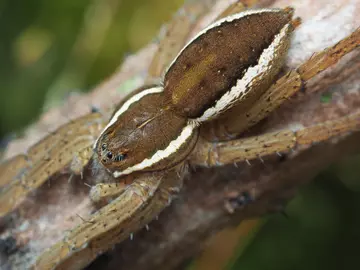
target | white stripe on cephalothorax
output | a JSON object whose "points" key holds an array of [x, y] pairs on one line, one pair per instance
{"points": [[258, 71], [220, 22], [126, 106], [159, 155]]}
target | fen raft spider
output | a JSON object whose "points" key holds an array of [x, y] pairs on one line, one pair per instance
{"points": [[218, 86]]}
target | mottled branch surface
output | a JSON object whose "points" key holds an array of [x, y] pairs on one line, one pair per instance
{"points": [[182, 229]]}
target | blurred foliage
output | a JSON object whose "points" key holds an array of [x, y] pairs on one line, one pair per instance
{"points": [[321, 230], [51, 48]]}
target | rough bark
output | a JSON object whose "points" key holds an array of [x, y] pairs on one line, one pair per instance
{"points": [[182, 229]]}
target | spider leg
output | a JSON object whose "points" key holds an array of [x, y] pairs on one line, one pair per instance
{"points": [[106, 192], [91, 122], [137, 205], [11, 168], [230, 152], [81, 158], [279, 92], [234, 123], [329, 56], [70, 144]]}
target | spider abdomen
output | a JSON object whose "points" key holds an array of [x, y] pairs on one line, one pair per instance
{"points": [[229, 61]]}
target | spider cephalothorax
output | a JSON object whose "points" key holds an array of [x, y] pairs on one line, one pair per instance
{"points": [[131, 141], [217, 86]]}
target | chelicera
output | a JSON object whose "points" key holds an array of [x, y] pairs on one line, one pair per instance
{"points": [[225, 80]]}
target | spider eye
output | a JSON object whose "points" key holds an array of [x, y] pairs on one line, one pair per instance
{"points": [[103, 147], [120, 157], [109, 155]]}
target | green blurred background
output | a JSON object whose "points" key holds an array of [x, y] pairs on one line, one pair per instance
{"points": [[49, 49]]}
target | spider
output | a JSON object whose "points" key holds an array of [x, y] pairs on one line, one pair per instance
{"points": [[211, 92]]}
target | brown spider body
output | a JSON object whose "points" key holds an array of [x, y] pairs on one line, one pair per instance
{"points": [[129, 139], [233, 58], [230, 63], [219, 85]]}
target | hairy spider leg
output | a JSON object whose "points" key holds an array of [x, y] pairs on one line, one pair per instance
{"points": [[229, 152], [12, 168], [232, 125], [105, 192], [20, 164], [49, 156], [136, 206]]}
